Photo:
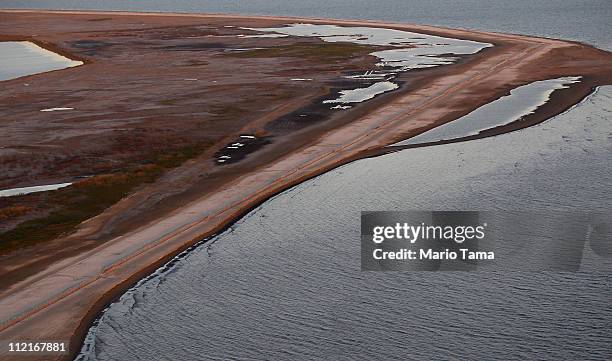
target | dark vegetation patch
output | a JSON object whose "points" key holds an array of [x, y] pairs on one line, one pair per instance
{"points": [[228, 110], [13, 211], [169, 102], [308, 51], [195, 46], [163, 32], [182, 33], [317, 111], [192, 62], [90, 47], [85, 199], [248, 107], [307, 115]]}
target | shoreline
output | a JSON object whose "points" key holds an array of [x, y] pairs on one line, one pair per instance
{"points": [[556, 105], [331, 149], [114, 295], [432, 29]]}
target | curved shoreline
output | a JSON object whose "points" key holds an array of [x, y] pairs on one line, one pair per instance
{"points": [[556, 105], [188, 225], [429, 29], [146, 274]]}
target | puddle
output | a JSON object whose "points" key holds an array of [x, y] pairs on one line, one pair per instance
{"points": [[21, 58], [411, 51], [263, 36], [521, 102], [359, 95], [35, 189], [55, 109]]}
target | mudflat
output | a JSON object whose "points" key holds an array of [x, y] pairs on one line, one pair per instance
{"points": [[158, 100]]}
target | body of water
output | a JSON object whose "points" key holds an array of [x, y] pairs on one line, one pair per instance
{"points": [[581, 20], [21, 58], [285, 282], [35, 189], [410, 51], [521, 102]]}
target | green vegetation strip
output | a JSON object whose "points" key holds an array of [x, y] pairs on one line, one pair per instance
{"points": [[88, 198]]}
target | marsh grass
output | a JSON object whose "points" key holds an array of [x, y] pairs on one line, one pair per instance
{"points": [[88, 198], [227, 110], [309, 51], [13, 211]]}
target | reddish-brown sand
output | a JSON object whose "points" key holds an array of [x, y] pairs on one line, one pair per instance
{"points": [[130, 239]]}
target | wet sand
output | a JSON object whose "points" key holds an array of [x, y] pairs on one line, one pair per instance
{"points": [[59, 301]]}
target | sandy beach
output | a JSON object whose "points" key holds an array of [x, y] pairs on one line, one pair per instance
{"points": [[53, 291]]}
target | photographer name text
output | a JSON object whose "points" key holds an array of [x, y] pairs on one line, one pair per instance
{"points": [[431, 254]]}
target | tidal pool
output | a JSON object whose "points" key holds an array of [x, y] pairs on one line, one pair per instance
{"points": [[413, 50], [21, 58], [409, 51], [521, 102], [362, 94], [27, 190]]}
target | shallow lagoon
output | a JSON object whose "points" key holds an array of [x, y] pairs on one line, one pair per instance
{"points": [[521, 102], [34, 189], [22, 58]]}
